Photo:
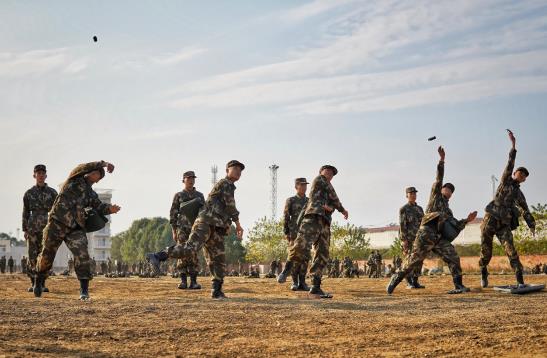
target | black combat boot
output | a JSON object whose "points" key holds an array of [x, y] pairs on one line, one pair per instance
{"points": [[31, 288], [155, 259], [84, 289], [295, 284], [44, 288], [395, 280], [484, 277], [216, 292], [519, 277], [316, 288], [194, 285], [183, 285], [415, 283], [458, 285], [302, 286], [39, 284], [283, 275], [409, 283]]}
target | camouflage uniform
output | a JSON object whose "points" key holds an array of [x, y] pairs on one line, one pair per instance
{"points": [[210, 227], [182, 226], [66, 221], [315, 228], [428, 239], [499, 215], [410, 217], [293, 206], [37, 202]]}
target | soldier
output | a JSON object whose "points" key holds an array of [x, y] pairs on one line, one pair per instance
{"points": [[293, 207], [93, 266], [378, 263], [110, 266], [336, 267], [432, 237], [37, 202], [502, 216], [70, 266], [182, 226], [410, 217], [3, 264], [11, 264], [67, 222], [348, 266], [209, 229], [24, 265], [315, 229]]}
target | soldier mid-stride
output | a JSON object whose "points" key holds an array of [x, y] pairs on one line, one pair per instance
{"points": [[410, 217], [315, 230], [67, 222], [37, 202], [212, 224], [293, 207], [429, 237], [182, 226], [502, 216]]}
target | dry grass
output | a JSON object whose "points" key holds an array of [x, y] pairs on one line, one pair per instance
{"points": [[150, 317]]}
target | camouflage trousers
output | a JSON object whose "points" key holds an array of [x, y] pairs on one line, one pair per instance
{"points": [[189, 265], [76, 241], [418, 270], [209, 237], [34, 246], [428, 240], [298, 268], [490, 227], [314, 232]]}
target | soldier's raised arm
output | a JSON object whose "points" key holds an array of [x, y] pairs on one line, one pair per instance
{"points": [[287, 217], [88, 167], [26, 212], [526, 214], [333, 198], [508, 172]]}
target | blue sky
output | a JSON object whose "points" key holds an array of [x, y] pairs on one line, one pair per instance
{"points": [[176, 86]]}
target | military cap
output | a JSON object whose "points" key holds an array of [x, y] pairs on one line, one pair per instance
{"points": [[39, 168], [411, 189], [189, 174], [450, 186], [523, 170], [235, 163], [300, 181], [328, 166]]}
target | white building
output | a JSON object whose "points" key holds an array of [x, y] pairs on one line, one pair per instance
{"points": [[383, 237], [100, 242]]}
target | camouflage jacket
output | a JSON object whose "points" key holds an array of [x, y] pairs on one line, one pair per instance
{"points": [[293, 207], [37, 202], [220, 207], [177, 220], [323, 193], [509, 196], [410, 217], [76, 195], [438, 204]]}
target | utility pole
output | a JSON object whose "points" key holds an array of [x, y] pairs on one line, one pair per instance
{"points": [[214, 171], [273, 174]]}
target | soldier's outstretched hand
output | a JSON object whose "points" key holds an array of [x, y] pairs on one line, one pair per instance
{"points": [[441, 152], [114, 209], [512, 137], [346, 214], [472, 216], [109, 167]]}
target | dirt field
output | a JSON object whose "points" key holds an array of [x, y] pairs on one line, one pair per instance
{"points": [[150, 317]]}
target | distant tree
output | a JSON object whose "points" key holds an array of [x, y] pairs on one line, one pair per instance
{"points": [[349, 240], [12, 239], [235, 251], [396, 249], [266, 241]]}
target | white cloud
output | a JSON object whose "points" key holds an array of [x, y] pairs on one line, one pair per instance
{"points": [[313, 8], [174, 58], [15, 64], [393, 52]]}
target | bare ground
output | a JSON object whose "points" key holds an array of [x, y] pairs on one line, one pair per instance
{"points": [[131, 317]]}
